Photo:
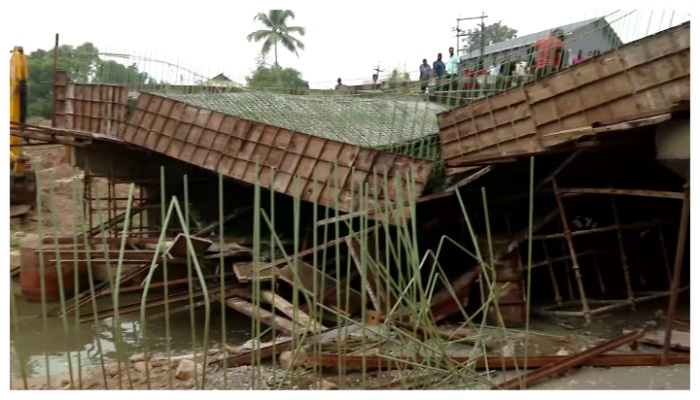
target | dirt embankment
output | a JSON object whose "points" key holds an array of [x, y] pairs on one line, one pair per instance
{"points": [[57, 209]]}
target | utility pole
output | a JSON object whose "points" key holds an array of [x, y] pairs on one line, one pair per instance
{"points": [[482, 38], [375, 76], [459, 32]]}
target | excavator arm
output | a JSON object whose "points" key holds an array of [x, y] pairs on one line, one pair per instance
{"points": [[19, 74], [22, 180]]}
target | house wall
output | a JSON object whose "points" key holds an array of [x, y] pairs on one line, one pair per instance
{"points": [[590, 38], [587, 38]]}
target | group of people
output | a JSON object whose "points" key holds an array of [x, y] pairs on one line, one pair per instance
{"points": [[450, 71], [544, 56]]}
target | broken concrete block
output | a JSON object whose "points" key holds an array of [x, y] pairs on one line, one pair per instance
{"points": [[289, 360], [185, 370], [140, 366], [112, 370], [189, 384], [508, 350], [323, 385], [14, 258], [563, 352], [157, 362]]}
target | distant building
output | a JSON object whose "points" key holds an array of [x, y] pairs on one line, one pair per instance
{"points": [[221, 80], [588, 36]]}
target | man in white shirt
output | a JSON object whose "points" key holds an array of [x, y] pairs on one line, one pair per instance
{"points": [[495, 68], [453, 68], [493, 72]]}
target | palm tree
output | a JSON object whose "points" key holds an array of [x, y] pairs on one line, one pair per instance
{"points": [[278, 31]]}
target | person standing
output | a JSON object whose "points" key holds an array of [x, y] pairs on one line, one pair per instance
{"points": [[495, 68], [439, 66], [453, 67], [548, 53], [340, 85], [425, 72]]}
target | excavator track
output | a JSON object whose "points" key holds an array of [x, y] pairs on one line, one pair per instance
{"points": [[22, 193]]}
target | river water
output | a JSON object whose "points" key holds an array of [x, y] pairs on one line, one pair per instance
{"points": [[32, 342]]}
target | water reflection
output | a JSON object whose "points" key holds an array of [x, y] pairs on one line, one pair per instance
{"points": [[29, 348]]}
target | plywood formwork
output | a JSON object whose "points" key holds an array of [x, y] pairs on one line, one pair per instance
{"points": [[230, 145], [648, 75], [89, 107]]}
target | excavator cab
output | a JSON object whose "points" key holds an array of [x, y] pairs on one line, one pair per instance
{"points": [[22, 177]]}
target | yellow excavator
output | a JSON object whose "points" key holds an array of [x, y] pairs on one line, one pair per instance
{"points": [[22, 177]]}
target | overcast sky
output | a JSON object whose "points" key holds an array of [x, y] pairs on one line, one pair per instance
{"points": [[345, 39]]}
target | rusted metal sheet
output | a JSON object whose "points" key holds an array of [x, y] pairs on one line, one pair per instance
{"points": [[179, 247], [89, 107], [508, 284], [645, 76], [308, 275], [569, 362], [444, 305], [60, 82], [231, 146], [372, 361]]}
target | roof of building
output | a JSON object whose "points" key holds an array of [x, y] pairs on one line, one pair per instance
{"points": [[360, 121], [221, 77], [528, 39]]}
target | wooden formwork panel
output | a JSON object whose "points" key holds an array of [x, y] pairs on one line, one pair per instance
{"points": [[288, 162], [58, 118], [651, 74], [89, 107]]}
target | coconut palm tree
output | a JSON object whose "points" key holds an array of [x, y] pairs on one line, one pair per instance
{"points": [[277, 32]]}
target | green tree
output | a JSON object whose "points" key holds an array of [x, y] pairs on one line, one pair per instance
{"points": [[83, 65], [82, 62], [277, 32], [278, 79], [493, 33], [398, 77], [399, 81], [110, 72], [40, 84]]}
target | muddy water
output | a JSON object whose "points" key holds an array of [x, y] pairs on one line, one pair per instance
{"points": [[30, 347]]}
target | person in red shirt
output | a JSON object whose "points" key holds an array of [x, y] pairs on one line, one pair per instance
{"points": [[548, 53], [471, 76]]}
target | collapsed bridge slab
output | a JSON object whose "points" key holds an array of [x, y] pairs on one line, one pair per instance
{"points": [[233, 146]]}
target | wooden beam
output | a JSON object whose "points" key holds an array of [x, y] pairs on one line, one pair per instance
{"points": [[50, 138], [471, 178], [244, 272], [264, 351], [478, 159], [371, 362], [312, 250], [358, 264], [679, 340], [624, 192], [288, 309], [575, 134], [264, 316]]}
